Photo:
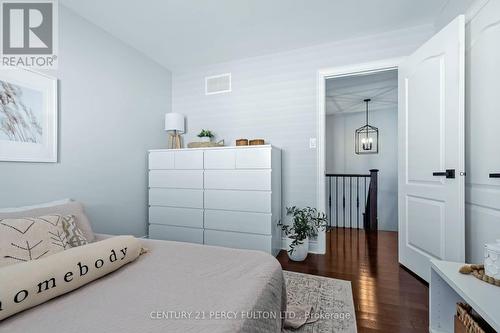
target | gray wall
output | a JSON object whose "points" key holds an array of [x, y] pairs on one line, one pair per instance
{"points": [[112, 103], [274, 97], [340, 158]]}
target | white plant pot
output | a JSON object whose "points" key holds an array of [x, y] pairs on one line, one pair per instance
{"points": [[299, 252], [205, 139]]}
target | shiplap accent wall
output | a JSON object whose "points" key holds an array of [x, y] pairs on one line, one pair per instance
{"points": [[274, 97]]}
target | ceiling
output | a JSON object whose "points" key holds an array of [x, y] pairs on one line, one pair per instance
{"points": [[181, 33], [346, 94]]}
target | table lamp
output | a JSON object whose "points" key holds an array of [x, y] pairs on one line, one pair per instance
{"points": [[174, 125]]}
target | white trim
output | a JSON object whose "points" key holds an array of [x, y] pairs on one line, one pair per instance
{"points": [[220, 91], [323, 75]]}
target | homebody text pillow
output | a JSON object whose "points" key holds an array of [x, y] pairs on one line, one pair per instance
{"points": [[26, 285]]}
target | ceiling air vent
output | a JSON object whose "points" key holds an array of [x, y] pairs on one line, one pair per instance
{"points": [[218, 84]]}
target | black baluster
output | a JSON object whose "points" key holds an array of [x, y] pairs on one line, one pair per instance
{"points": [[343, 201], [350, 202], [357, 202], [337, 201], [329, 202]]}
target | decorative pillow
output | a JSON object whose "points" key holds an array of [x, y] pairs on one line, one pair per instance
{"points": [[73, 234], [31, 283], [69, 208], [26, 239]]}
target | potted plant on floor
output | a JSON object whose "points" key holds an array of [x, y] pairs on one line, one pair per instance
{"points": [[305, 225], [205, 135]]}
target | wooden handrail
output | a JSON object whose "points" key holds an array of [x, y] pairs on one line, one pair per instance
{"points": [[346, 175]]}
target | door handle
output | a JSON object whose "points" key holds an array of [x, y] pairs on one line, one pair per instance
{"points": [[449, 173], [494, 175]]}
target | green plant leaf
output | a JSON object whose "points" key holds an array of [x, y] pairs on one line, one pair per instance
{"points": [[206, 134], [306, 222]]}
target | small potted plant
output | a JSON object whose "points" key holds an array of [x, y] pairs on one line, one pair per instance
{"points": [[305, 225], [205, 135]]}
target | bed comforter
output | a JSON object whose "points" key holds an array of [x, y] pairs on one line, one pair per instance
{"points": [[176, 287]]}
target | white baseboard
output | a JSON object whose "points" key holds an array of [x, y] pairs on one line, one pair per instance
{"points": [[313, 246], [433, 330]]}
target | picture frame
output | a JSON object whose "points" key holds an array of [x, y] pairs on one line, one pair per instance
{"points": [[28, 116]]}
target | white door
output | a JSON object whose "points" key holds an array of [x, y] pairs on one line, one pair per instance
{"points": [[431, 152], [483, 114]]}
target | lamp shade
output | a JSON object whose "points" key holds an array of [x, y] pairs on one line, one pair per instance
{"points": [[174, 122]]}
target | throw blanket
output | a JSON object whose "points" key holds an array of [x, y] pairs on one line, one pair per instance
{"points": [[28, 284]]}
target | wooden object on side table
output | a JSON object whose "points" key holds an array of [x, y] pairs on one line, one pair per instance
{"points": [[256, 142], [242, 142]]}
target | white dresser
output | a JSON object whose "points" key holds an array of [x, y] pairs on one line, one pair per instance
{"points": [[225, 196]]}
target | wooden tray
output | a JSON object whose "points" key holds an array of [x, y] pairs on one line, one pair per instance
{"points": [[256, 142], [205, 144], [242, 142]]}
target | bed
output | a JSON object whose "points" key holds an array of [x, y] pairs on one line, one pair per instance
{"points": [[175, 287]]}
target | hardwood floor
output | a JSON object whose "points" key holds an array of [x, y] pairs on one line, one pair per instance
{"points": [[387, 298]]}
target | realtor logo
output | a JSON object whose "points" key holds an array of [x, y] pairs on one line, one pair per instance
{"points": [[29, 34]]}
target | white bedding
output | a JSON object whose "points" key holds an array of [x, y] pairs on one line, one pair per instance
{"points": [[202, 284]]}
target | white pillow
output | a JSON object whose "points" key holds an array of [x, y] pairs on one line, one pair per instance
{"points": [[42, 205], [70, 207], [31, 238]]}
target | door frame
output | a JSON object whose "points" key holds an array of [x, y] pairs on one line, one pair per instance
{"points": [[324, 74]]}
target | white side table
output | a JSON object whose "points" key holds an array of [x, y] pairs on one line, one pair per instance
{"points": [[448, 286]]}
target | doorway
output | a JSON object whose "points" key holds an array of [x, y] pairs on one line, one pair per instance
{"points": [[361, 147], [327, 199]]}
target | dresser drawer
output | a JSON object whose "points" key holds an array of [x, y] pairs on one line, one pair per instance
{"points": [[176, 197], [186, 159], [253, 158], [238, 240], [247, 201], [220, 159], [259, 180], [181, 217], [176, 178], [256, 223], [178, 234], [161, 160]]}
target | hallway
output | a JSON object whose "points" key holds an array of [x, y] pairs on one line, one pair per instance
{"points": [[387, 298]]}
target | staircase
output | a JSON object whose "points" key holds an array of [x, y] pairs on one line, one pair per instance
{"points": [[352, 200]]}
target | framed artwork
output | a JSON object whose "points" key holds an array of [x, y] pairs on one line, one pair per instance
{"points": [[28, 116]]}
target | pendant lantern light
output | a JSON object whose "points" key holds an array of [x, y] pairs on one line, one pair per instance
{"points": [[366, 137]]}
